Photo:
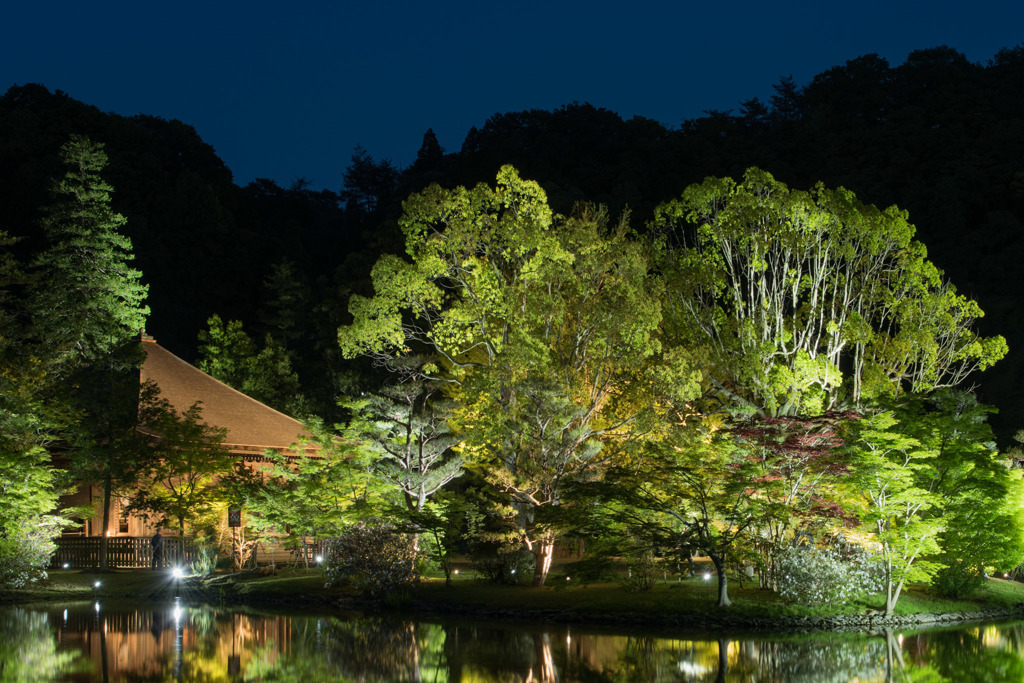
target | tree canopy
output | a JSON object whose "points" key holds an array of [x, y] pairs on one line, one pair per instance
{"points": [[811, 301]]}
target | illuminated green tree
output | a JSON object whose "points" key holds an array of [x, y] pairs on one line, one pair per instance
{"points": [[30, 422], [228, 353], [86, 299], [546, 330], [180, 483], [981, 494], [694, 491], [891, 473], [805, 301], [316, 493], [405, 426]]}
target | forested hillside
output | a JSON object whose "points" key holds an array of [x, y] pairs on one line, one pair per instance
{"points": [[938, 136]]}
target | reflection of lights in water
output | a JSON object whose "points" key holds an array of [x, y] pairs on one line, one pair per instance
{"points": [[691, 669], [96, 584], [991, 637], [96, 606], [899, 639], [179, 640]]}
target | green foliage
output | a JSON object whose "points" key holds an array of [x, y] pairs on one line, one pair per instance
{"points": [[30, 421], [890, 471], [374, 557], [86, 299], [265, 374], [29, 488], [789, 290], [325, 488], [444, 522], [492, 536], [405, 426], [982, 495], [181, 484], [206, 557], [957, 579], [546, 329], [695, 491], [26, 547]]}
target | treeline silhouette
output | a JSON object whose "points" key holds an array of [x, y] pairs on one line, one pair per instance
{"points": [[937, 135]]}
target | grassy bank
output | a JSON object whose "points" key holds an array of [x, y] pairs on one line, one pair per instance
{"points": [[304, 589]]}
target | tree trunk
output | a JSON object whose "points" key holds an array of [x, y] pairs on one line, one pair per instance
{"points": [[723, 580], [181, 541], [892, 595], [106, 522], [543, 551], [723, 660]]}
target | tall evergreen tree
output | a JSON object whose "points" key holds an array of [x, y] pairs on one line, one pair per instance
{"points": [[87, 300], [85, 305]]}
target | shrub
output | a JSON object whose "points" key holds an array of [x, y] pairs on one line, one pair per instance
{"points": [[818, 576], [206, 556], [25, 551], [504, 565], [641, 573], [958, 580], [374, 557]]}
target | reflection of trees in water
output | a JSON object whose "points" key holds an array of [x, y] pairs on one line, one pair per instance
{"points": [[981, 653], [822, 658], [367, 648], [28, 649], [498, 653], [220, 644]]}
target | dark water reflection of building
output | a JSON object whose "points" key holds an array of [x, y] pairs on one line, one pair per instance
{"points": [[89, 642]]}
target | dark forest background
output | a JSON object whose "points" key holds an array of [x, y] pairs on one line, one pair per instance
{"points": [[938, 135]]}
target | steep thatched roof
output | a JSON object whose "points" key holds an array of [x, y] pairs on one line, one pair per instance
{"points": [[251, 426]]}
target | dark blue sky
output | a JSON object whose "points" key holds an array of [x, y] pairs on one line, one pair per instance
{"points": [[283, 90]]}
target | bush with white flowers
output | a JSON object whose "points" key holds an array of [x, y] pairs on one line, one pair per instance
{"points": [[818, 576]]}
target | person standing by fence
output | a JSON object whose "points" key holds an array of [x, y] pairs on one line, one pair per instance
{"points": [[158, 549]]}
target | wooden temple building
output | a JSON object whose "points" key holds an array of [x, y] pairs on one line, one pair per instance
{"points": [[252, 428]]}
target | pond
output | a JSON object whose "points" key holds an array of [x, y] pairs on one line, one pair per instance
{"points": [[176, 642]]}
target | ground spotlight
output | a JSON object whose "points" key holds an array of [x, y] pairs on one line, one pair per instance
{"points": [[319, 559], [67, 565], [177, 572], [96, 584], [707, 577]]}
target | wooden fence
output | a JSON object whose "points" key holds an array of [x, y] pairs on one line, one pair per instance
{"points": [[123, 552]]}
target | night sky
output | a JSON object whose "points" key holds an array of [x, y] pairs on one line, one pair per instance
{"points": [[287, 90]]}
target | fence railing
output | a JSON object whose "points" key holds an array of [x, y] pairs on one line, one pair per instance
{"points": [[123, 552]]}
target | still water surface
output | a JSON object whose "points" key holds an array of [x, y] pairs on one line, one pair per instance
{"points": [[107, 642]]}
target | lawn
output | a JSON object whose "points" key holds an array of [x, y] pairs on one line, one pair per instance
{"points": [[302, 587]]}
